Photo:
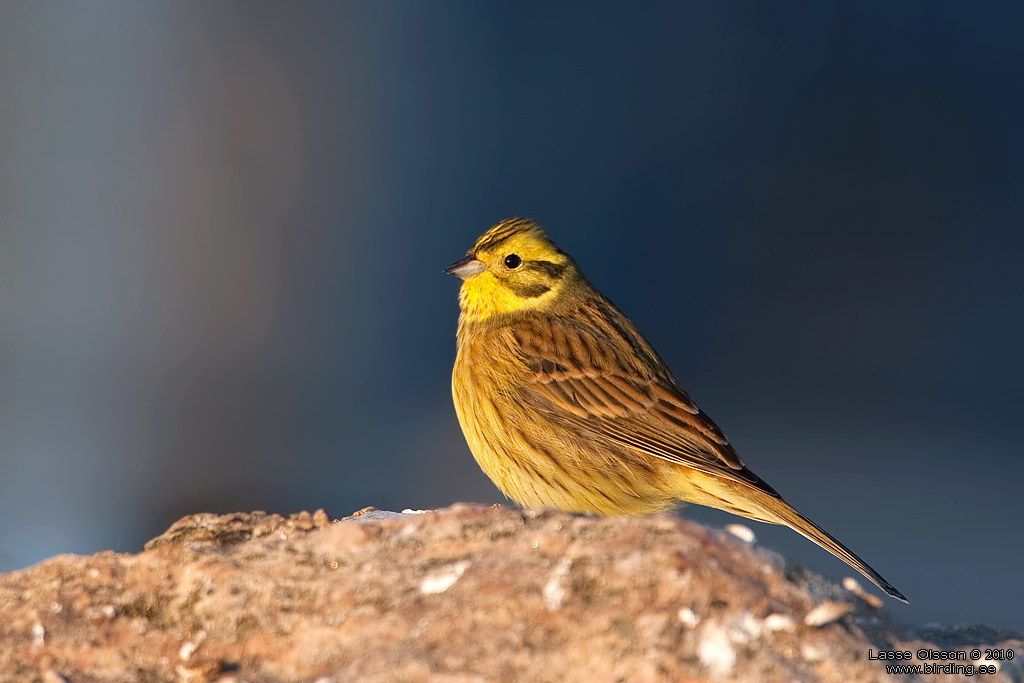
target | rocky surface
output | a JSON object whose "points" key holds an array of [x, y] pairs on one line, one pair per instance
{"points": [[458, 595]]}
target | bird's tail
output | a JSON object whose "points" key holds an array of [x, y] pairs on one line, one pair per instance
{"points": [[779, 511]]}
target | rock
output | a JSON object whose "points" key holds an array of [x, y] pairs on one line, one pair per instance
{"points": [[827, 612], [458, 595]]}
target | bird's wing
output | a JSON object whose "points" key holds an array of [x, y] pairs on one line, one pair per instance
{"points": [[586, 381]]}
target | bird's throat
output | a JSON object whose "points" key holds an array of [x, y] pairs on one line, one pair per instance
{"points": [[483, 296]]}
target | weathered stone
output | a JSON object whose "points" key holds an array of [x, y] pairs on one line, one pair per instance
{"points": [[462, 594]]}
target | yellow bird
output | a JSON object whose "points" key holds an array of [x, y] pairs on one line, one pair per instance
{"points": [[564, 404]]}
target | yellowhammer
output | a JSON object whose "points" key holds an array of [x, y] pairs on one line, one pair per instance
{"points": [[564, 404]]}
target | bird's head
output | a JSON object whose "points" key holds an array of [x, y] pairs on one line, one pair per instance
{"points": [[513, 267]]}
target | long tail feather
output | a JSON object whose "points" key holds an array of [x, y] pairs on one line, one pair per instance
{"points": [[785, 514]]}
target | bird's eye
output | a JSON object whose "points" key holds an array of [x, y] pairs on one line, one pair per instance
{"points": [[513, 261]]}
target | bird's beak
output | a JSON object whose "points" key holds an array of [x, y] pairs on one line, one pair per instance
{"points": [[467, 266]]}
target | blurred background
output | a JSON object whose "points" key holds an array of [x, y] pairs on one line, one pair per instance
{"points": [[223, 226]]}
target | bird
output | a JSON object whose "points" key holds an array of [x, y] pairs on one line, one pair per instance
{"points": [[564, 404]]}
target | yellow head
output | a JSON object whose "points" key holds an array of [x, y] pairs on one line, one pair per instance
{"points": [[512, 267]]}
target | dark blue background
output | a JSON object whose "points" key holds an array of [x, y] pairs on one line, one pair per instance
{"points": [[222, 229]]}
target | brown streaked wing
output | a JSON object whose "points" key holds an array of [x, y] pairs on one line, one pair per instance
{"points": [[640, 410]]}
